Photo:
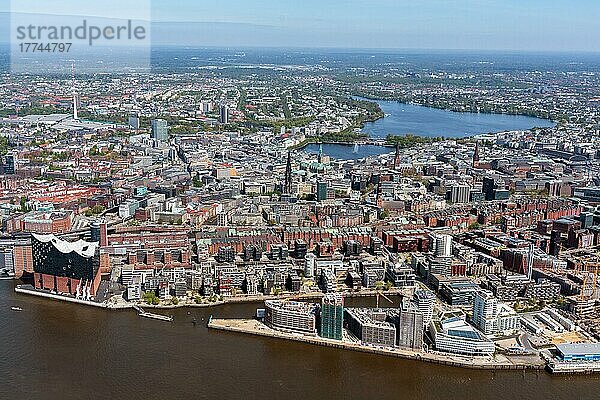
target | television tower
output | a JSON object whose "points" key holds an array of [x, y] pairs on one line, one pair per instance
{"points": [[75, 117]]}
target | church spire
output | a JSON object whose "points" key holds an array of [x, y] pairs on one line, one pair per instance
{"points": [[288, 174], [397, 157]]}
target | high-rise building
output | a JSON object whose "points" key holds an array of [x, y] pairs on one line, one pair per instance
{"points": [[425, 302], [321, 191], [332, 316], [485, 308], [489, 185], [8, 164], [224, 114], [134, 121], [160, 130], [459, 194], [410, 326], [309, 265], [492, 317], [441, 244]]}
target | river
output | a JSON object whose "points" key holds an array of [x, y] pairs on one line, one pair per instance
{"points": [[55, 350]]}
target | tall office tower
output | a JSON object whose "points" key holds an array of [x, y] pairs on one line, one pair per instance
{"points": [[134, 121], [441, 244], [485, 310], [207, 106], [397, 157], [425, 301], [489, 185], [8, 164], [332, 316], [459, 193], [309, 265], [321, 191], [160, 130], [410, 326], [224, 114]]}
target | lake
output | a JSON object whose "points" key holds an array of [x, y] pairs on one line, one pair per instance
{"points": [[348, 152], [402, 118]]}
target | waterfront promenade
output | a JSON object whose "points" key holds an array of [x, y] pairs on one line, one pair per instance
{"points": [[496, 362]]}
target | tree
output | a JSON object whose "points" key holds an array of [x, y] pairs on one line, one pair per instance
{"points": [[150, 298], [197, 182], [24, 204], [474, 225], [388, 285], [379, 285]]}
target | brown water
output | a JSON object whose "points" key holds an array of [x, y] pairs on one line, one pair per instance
{"points": [[54, 350]]}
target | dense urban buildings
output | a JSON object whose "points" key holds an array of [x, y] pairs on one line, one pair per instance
{"points": [[207, 185]]}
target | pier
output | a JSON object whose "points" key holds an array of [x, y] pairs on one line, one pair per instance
{"points": [[145, 314]]}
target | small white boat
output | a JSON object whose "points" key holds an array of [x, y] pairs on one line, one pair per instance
{"points": [[16, 308]]}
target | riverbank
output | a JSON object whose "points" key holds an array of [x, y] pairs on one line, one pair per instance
{"points": [[497, 362], [30, 290]]}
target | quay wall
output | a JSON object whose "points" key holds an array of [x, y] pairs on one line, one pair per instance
{"points": [[455, 361]]}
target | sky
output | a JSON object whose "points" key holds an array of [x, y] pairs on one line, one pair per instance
{"points": [[528, 25]]}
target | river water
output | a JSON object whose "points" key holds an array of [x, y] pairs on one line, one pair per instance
{"points": [[55, 350]]}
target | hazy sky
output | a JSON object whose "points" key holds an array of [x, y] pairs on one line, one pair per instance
{"points": [[562, 25]]}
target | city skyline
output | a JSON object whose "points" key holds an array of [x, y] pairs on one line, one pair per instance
{"points": [[346, 199]]}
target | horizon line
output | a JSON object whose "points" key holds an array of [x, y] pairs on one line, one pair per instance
{"points": [[377, 49]]}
